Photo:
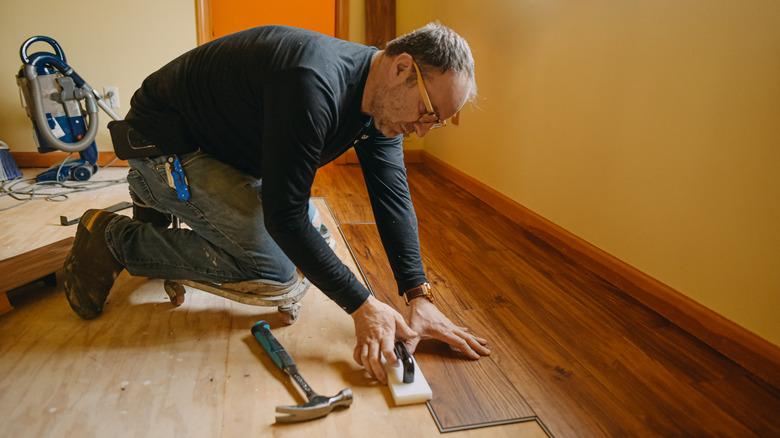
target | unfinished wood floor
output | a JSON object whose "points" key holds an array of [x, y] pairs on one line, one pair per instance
{"points": [[147, 369], [585, 357]]}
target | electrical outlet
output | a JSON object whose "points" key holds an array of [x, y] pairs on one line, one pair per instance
{"points": [[111, 96]]}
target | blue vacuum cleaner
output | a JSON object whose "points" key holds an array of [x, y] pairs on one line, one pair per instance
{"points": [[52, 93]]}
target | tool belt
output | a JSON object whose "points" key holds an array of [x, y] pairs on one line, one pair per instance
{"points": [[129, 143]]}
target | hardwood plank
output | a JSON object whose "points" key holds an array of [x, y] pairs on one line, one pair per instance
{"points": [[346, 192], [630, 353], [32, 265], [633, 373], [466, 393], [741, 345]]}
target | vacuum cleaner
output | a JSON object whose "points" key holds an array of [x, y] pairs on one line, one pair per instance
{"points": [[52, 93]]}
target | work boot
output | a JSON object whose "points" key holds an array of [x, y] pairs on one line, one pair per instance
{"points": [[90, 269]]}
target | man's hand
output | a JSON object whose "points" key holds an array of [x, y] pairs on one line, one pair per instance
{"points": [[376, 327], [427, 320]]}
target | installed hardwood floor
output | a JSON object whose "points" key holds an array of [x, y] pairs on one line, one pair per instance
{"points": [[585, 357]]}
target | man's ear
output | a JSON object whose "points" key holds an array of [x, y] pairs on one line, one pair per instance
{"points": [[401, 68]]}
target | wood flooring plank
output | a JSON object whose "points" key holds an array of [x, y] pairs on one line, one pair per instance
{"points": [[345, 189], [635, 371], [34, 264], [632, 354], [466, 393]]}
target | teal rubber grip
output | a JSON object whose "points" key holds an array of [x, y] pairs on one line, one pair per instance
{"points": [[261, 330]]}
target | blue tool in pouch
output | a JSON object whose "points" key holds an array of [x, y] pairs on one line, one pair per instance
{"points": [[176, 173]]}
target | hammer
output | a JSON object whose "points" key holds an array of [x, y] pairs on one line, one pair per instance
{"points": [[318, 405]]}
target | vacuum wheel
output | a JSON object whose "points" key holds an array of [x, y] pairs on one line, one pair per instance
{"points": [[175, 292]]}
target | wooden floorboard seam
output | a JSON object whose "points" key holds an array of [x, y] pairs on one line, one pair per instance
{"points": [[431, 409]]}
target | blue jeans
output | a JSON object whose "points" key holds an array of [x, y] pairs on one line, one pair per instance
{"points": [[227, 241]]}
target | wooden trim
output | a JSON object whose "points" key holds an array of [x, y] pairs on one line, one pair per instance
{"points": [[5, 305], [35, 159], [34, 264], [380, 22], [751, 351], [342, 19], [411, 156], [203, 28]]}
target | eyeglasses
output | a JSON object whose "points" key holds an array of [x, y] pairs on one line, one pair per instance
{"points": [[438, 123]]}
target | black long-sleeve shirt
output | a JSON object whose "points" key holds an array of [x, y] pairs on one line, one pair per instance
{"points": [[278, 103]]}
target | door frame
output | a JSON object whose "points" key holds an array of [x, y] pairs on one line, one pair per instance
{"points": [[205, 31]]}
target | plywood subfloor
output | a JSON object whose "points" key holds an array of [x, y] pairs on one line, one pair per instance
{"points": [[34, 224], [145, 368], [33, 243]]}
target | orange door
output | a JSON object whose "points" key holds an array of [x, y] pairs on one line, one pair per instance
{"points": [[228, 16]]}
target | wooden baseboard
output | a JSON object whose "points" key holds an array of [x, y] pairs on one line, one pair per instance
{"points": [[5, 305], [410, 156], [751, 351], [35, 159]]}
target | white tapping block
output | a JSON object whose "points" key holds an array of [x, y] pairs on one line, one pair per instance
{"points": [[407, 393]]}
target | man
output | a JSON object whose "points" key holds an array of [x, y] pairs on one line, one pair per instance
{"points": [[252, 116]]}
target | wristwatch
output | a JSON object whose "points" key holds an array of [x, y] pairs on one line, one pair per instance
{"points": [[423, 290]]}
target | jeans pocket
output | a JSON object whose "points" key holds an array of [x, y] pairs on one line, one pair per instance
{"points": [[140, 192]]}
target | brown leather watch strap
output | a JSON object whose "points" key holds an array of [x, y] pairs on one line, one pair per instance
{"points": [[423, 290]]}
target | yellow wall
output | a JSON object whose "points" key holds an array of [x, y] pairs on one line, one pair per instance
{"points": [[649, 128], [110, 42]]}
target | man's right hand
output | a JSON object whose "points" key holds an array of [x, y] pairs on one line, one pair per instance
{"points": [[376, 328]]}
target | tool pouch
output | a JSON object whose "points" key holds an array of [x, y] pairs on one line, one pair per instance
{"points": [[129, 143]]}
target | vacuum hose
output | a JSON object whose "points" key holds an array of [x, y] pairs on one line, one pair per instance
{"points": [[40, 117]]}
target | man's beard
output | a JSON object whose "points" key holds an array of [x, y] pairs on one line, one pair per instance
{"points": [[383, 104]]}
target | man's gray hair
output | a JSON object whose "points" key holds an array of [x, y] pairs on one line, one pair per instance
{"points": [[436, 46]]}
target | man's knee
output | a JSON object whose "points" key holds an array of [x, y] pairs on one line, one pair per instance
{"points": [[264, 266]]}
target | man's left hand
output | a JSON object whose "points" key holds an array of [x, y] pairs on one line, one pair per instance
{"points": [[428, 321]]}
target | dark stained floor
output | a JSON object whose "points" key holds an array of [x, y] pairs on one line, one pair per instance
{"points": [[570, 348]]}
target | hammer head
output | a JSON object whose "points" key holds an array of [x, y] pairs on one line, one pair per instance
{"points": [[318, 406]]}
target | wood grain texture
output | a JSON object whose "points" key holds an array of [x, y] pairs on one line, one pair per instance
{"points": [[34, 243], [466, 393], [33, 225], [380, 22], [751, 351], [589, 358], [32, 265], [145, 368], [342, 19], [345, 189]]}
